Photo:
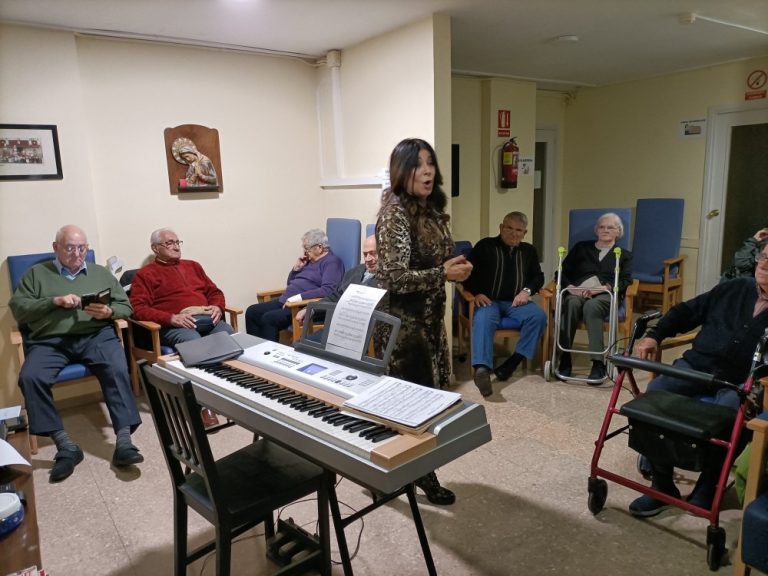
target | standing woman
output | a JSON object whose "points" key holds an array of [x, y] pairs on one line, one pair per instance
{"points": [[415, 251]]}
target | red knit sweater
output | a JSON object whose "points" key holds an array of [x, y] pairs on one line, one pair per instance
{"points": [[161, 289]]}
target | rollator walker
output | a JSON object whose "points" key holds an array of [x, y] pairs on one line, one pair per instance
{"points": [[677, 431], [550, 366]]}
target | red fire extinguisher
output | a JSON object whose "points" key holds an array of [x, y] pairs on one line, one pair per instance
{"points": [[510, 153]]}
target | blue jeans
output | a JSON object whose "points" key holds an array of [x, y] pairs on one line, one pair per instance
{"points": [[532, 321]]}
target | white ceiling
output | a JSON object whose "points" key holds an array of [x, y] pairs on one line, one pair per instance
{"points": [[619, 40]]}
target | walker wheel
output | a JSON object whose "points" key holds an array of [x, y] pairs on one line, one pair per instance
{"points": [[548, 371], [715, 546], [598, 492]]}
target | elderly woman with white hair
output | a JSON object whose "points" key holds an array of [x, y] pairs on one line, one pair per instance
{"points": [[315, 274], [588, 270]]}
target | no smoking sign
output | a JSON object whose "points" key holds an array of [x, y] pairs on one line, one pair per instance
{"points": [[756, 85]]}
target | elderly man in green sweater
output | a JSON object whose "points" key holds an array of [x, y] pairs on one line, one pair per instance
{"points": [[65, 329]]}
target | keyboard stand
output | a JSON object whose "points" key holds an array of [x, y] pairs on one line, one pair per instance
{"points": [[375, 366], [340, 523]]}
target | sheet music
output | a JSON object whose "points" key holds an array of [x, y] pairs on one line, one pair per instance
{"points": [[404, 402], [349, 325], [9, 455]]}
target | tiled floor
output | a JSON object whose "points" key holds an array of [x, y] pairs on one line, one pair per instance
{"points": [[521, 502]]}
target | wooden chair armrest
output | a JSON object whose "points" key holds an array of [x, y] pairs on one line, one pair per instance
{"points": [[300, 304], [146, 324], [465, 294], [676, 260], [758, 425], [676, 341], [267, 295], [121, 323], [633, 288], [233, 314]]}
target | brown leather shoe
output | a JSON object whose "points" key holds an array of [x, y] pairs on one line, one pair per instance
{"points": [[209, 417]]}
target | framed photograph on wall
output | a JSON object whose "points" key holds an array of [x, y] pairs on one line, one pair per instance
{"points": [[29, 152]]}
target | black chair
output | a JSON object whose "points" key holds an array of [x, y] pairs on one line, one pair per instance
{"points": [[236, 492]]}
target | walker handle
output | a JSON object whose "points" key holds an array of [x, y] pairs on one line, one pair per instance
{"points": [[667, 370]]}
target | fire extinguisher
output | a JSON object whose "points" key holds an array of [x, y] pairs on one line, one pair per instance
{"points": [[510, 153]]}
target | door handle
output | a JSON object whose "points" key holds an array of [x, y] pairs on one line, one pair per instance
{"points": [[713, 213]]}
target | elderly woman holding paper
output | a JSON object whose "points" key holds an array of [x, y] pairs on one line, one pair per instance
{"points": [[588, 271]]}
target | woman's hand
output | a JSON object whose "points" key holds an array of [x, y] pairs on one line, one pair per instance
{"points": [[457, 269]]}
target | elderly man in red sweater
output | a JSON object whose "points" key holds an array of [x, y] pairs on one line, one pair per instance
{"points": [[178, 295]]}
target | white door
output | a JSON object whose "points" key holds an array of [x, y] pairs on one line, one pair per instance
{"points": [[722, 122], [544, 200]]}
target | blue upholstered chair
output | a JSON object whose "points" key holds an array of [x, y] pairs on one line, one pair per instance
{"points": [[581, 226], [370, 230], [657, 263], [753, 544], [72, 373], [344, 238]]}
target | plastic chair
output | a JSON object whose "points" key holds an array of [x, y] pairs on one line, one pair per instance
{"points": [[72, 373], [236, 492], [657, 263], [581, 226]]}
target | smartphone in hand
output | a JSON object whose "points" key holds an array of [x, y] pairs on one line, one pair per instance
{"points": [[103, 297]]}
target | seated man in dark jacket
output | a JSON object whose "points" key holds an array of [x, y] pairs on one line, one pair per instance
{"points": [[733, 317], [505, 274]]}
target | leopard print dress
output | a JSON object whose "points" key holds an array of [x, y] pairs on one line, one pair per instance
{"points": [[411, 269]]}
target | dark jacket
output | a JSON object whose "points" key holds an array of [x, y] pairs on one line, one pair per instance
{"points": [[501, 272], [583, 261], [729, 333]]}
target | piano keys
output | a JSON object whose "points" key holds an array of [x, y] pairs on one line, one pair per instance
{"points": [[309, 421]]}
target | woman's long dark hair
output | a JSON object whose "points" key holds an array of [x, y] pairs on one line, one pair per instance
{"points": [[402, 166]]}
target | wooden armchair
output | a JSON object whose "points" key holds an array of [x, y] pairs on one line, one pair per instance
{"points": [[293, 333], [144, 343], [466, 313], [754, 527]]}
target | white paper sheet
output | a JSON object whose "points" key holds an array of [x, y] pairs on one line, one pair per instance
{"points": [[349, 325], [9, 455], [10, 412], [404, 402]]}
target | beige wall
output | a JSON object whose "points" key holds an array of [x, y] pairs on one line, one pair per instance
{"points": [[111, 101], [482, 203]]}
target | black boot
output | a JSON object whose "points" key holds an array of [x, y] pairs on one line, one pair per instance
{"points": [[564, 368], [505, 370], [435, 493]]}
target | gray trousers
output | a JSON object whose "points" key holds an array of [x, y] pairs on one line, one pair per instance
{"points": [[593, 311]]}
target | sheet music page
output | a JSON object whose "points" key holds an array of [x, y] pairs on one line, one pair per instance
{"points": [[349, 325], [9, 455], [402, 401]]}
